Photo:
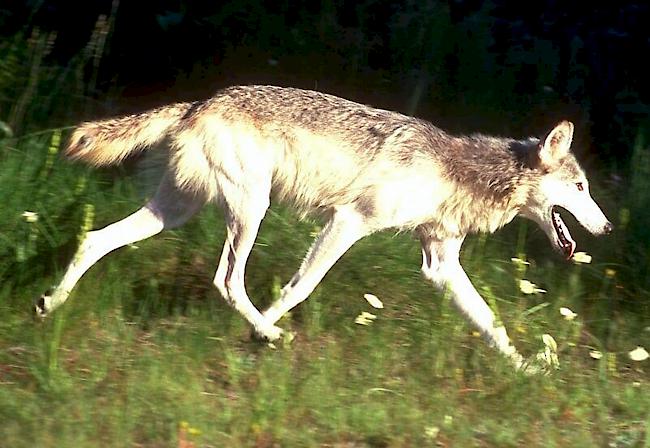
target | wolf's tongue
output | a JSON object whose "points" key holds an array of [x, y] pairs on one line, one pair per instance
{"points": [[567, 243]]}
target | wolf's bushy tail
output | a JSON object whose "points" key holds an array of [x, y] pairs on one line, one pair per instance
{"points": [[110, 141]]}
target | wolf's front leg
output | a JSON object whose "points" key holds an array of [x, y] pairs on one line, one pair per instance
{"points": [[441, 265]]}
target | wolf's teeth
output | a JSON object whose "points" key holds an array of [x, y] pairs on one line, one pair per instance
{"points": [[566, 242]]}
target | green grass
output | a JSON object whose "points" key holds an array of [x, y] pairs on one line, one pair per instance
{"points": [[146, 353]]}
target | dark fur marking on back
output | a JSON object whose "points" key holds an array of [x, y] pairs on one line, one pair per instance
{"points": [[193, 109], [365, 205], [526, 152]]}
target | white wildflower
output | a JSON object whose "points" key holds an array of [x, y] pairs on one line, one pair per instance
{"points": [[373, 300], [581, 257], [567, 313], [549, 342], [519, 261], [30, 216], [596, 354], [639, 354], [431, 432], [549, 355], [528, 287], [365, 318]]}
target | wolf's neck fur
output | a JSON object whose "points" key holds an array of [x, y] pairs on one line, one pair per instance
{"points": [[493, 177], [489, 167]]}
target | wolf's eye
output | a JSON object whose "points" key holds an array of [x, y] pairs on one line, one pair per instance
{"points": [[84, 140], [580, 186]]}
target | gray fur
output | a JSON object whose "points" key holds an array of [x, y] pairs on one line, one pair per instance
{"points": [[364, 169]]}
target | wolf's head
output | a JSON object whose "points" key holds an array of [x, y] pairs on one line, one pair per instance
{"points": [[562, 183]]}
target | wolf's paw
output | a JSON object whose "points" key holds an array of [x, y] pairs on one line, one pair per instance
{"points": [[269, 333], [43, 306], [285, 338]]}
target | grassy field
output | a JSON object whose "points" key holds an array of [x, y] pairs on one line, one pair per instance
{"points": [[146, 353]]}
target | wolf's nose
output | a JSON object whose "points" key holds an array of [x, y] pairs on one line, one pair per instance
{"points": [[608, 228]]}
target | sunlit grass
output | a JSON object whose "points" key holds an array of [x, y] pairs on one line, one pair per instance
{"points": [[145, 353]]}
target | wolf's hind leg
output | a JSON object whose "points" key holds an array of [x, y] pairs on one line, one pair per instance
{"points": [[441, 265], [345, 228], [169, 208], [244, 209]]}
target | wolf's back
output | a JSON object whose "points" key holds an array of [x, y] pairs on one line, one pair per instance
{"points": [[110, 141]]}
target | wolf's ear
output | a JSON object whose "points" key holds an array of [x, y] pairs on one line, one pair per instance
{"points": [[556, 144]]}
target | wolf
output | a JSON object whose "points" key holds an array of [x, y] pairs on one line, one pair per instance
{"points": [[362, 169]]}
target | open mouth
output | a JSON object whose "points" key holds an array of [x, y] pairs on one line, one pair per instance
{"points": [[567, 244]]}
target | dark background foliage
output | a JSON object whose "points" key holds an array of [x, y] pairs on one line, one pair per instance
{"points": [[493, 66], [499, 67], [147, 353]]}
